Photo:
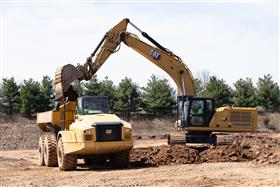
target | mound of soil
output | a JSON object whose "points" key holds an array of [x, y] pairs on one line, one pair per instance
{"points": [[19, 136], [259, 148], [164, 155]]}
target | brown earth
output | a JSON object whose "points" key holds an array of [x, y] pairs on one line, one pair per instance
{"points": [[19, 168], [258, 148], [253, 159]]}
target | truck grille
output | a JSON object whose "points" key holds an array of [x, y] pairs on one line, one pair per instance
{"points": [[108, 132], [240, 119]]}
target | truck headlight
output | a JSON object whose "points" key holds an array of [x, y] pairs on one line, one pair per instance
{"points": [[88, 135], [127, 134], [127, 130], [88, 131]]}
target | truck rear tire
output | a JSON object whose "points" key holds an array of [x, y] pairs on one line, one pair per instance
{"points": [[66, 162], [41, 151], [50, 156], [120, 160]]}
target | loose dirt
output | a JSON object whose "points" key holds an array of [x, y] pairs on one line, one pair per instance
{"points": [[258, 148], [19, 168], [253, 159]]}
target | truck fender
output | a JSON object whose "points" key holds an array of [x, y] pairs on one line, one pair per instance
{"points": [[67, 136]]}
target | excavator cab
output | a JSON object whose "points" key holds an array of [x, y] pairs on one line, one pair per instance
{"points": [[195, 111]]}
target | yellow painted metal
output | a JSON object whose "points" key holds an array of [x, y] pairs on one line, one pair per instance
{"points": [[231, 119], [90, 148], [49, 117], [62, 117], [67, 114], [168, 62]]}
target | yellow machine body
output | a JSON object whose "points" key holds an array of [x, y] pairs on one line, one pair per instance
{"points": [[230, 119], [79, 134]]}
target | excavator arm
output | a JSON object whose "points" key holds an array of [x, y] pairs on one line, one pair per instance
{"points": [[158, 55]]}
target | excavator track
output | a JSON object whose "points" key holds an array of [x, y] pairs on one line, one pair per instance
{"points": [[176, 138]]}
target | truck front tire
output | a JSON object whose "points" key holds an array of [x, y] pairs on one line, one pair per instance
{"points": [[66, 162]]}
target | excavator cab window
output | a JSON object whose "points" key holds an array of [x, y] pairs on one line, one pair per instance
{"points": [[195, 112]]}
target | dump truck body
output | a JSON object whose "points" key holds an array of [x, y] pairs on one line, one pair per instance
{"points": [[86, 130]]}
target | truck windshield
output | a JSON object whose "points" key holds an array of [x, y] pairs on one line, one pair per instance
{"points": [[95, 105]]}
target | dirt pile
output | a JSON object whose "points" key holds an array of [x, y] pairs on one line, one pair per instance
{"points": [[19, 136], [164, 155], [259, 148]]}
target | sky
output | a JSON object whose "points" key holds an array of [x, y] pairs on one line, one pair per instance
{"points": [[230, 40]]}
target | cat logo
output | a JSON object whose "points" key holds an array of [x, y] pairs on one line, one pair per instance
{"points": [[108, 131], [155, 54]]}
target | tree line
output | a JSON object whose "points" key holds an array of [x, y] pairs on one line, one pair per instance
{"points": [[157, 97]]}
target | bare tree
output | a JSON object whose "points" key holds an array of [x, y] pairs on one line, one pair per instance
{"points": [[204, 76]]}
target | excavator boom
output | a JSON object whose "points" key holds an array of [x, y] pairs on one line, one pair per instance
{"points": [[160, 56]]}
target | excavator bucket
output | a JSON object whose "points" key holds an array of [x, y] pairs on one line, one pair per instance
{"points": [[64, 76]]}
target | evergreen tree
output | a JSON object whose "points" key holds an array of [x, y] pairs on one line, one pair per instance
{"points": [[268, 93], [127, 94], [92, 87], [218, 89], [158, 97], [47, 92], [107, 88], [30, 98], [9, 91], [244, 93]]}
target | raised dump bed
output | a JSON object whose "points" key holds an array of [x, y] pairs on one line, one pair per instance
{"points": [[56, 117], [49, 117]]}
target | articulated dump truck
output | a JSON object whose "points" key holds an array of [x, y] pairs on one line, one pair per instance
{"points": [[83, 129]]}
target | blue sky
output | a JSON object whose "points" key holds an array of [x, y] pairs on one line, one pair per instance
{"points": [[230, 40]]}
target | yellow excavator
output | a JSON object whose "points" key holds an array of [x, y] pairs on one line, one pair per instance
{"points": [[198, 118]]}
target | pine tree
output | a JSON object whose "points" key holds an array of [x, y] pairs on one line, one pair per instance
{"points": [[9, 92], [92, 87], [158, 96], [30, 98], [244, 93], [218, 89], [268, 93], [127, 94], [47, 92]]}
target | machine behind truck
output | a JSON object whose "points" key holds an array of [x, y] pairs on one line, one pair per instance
{"points": [[86, 129], [193, 127]]}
